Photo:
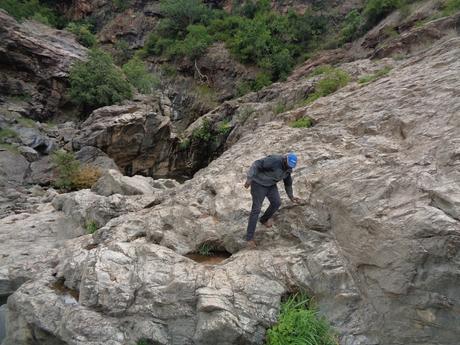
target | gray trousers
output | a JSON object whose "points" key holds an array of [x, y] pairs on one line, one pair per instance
{"points": [[259, 193]]}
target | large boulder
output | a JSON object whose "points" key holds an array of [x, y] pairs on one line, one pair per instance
{"points": [[95, 157], [113, 182], [13, 167], [136, 135], [86, 207], [41, 57]]}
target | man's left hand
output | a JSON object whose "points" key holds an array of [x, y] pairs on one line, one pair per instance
{"points": [[296, 200]]}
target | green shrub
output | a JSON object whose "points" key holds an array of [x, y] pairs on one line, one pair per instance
{"points": [[304, 122], [450, 7], [71, 175], [280, 107], [121, 5], [323, 69], [376, 10], [26, 122], [137, 74], [31, 9], [351, 26], [67, 167], [91, 227], [193, 45], [204, 132], [333, 79], [122, 52], [9, 147], [98, 82], [179, 14], [83, 32], [184, 144], [224, 128], [377, 75], [299, 323], [261, 80], [206, 249]]}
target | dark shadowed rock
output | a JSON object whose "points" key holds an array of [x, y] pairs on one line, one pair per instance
{"points": [[41, 57]]}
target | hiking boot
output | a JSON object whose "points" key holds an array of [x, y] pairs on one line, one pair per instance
{"points": [[251, 244], [268, 223]]}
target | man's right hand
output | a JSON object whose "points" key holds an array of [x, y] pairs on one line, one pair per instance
{"points": [[247, 185]]}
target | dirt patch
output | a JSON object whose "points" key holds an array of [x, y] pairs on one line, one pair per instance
{"points": [[60, 287]]}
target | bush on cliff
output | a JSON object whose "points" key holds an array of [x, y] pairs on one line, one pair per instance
{"points": [[98, 82], [299, 323], [32, 9], [70, 175], [138, 75], [376, 10], [83, 32], [254, 34]]}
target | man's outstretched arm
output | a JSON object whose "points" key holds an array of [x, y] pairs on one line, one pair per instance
{"points": [[288, 187]]}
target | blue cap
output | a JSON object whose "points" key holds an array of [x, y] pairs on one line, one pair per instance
{"points": [[291, 160]]}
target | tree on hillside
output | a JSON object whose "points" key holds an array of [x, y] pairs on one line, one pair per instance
{"points": [[98, 82]]}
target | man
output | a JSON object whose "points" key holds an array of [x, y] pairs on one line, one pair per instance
{"points": [[263, 177]]}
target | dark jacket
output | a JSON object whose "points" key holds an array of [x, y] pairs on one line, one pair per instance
{"points": [[270, 170]]}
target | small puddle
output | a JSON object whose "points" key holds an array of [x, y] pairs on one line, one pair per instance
{"points": [[214, 259]]}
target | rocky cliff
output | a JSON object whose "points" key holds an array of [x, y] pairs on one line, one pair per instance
{"points": [[375, 241]]}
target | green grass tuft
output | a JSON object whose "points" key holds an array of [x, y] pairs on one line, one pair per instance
{"points": [[304, 122], [24, 121], [224, 128], [300, 324], [9, 148], [7, 133], [332, 80], [206, 249], [377, 75], [91, 227]]}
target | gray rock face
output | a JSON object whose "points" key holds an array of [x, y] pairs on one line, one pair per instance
{"points": [[42, 57], [85, 206], [135, 135], [41, 172], [377, 241], [13, 167], [89, 155], [112, 182]]}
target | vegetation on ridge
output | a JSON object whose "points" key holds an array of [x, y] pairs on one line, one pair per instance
{"points": [[98, 82], [70, 175]]}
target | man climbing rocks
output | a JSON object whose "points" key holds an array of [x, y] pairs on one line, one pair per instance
{"points": [[263, 177]]}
